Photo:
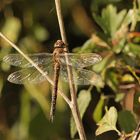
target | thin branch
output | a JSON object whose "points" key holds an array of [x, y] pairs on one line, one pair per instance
{"points": [[36, 66], [137, 133], [60, 21], [74, 107]]}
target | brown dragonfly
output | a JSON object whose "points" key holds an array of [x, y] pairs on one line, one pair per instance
{"points": [[54, 64]]}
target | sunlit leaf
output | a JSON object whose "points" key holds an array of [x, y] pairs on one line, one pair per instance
{"points": [[97, 3], [128, 18], [83, 102], [88, 46], [5, 67], [127, 121], [11, 29], [108, 122], [110, 21], [119, 97], [97, 114], [127, 78], [40, 33], [92, 45]]}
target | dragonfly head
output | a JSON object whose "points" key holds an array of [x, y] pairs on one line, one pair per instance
{"points": [[59, 44]]}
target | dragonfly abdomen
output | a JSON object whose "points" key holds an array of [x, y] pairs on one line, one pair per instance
{"points": [[54, 93]]}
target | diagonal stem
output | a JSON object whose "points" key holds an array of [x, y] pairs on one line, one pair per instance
{"points": [[36, 66], [74, 106]]}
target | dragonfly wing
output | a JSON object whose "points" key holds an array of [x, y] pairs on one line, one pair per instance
{"points": [[30, 75], [81, 60], [82, 76], [77, 60], [38, 58]]}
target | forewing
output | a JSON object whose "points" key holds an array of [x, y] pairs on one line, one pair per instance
{"points": [[18, 60], [81, 76], [76, 60], [30, 75], [81, 60]]}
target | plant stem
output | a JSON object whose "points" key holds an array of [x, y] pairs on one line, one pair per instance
{"points": [[60, 21], [137, 133], [74, 105]]}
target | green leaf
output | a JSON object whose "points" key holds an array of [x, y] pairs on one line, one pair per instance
{"points": [[11, 29], [40, 33], [83, 100], [97, 3], [119, 97], [92, 45], [134, 49], [98, 110], [110, 21], [108, 122], [128, 18], [127, 121], [120, 46], [88, 46], [127, 78], [107, 60], [112, 79]]}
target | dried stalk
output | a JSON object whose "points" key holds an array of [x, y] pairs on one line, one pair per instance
{"points": [[74, 105], [36, 66], [137, 133]]}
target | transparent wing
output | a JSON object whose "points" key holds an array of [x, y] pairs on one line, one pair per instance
{"points": [[76, 60], [82, 76], [81, 60], [30, 75], [38, 58]]}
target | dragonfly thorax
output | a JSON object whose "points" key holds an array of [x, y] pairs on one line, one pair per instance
{"points": [[59, 48], [59, 44]]}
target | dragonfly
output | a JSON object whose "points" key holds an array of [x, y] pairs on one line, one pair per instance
{"points": [[54, 64]]}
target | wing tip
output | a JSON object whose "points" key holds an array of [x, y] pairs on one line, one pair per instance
{"points": [[5, 58], [10, 79]]}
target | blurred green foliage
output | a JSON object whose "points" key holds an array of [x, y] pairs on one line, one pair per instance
{"points": [[109, 28]]}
